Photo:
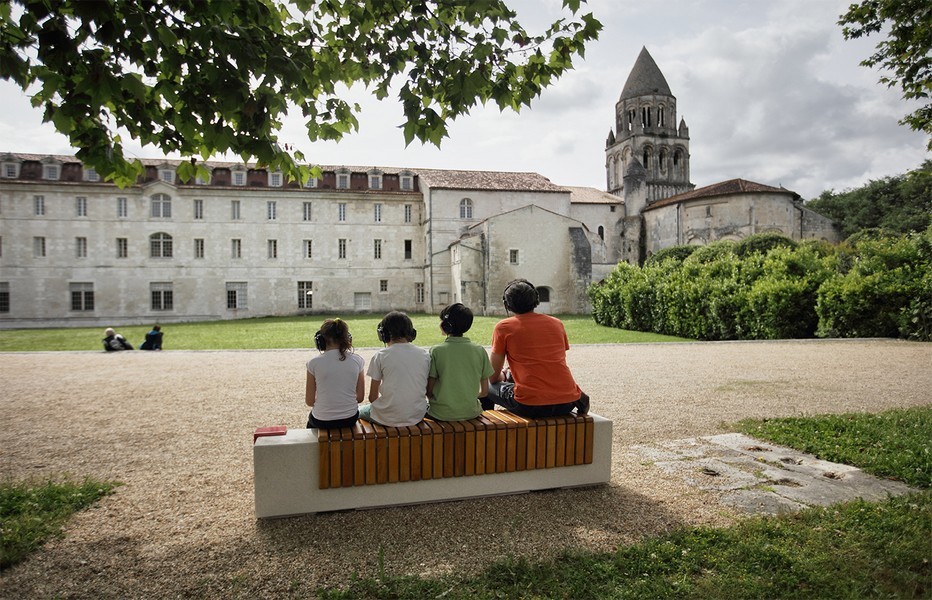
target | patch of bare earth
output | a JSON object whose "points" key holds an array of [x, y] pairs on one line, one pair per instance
{"points": [[175, 428]]}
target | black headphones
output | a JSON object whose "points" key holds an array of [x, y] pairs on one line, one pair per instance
{"points": [[514, 282], [320, 342], [446, 324], [386, 336]]}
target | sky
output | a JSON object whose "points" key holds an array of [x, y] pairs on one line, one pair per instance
{"points": [[770, 89]]}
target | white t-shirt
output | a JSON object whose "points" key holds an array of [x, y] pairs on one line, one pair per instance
{"points": [[402, 369], [336, 384]]}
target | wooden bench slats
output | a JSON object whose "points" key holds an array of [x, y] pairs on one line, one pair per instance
{"points": [[494, 442]]}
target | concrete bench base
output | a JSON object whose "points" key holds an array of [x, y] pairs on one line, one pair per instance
{"points": [[287, 478]]}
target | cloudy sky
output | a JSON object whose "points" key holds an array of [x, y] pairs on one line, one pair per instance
{"points": [[770, 90]]}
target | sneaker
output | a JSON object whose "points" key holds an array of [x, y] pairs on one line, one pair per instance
{"points": [[582, 405]]}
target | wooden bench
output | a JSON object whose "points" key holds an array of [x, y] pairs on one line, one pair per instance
{"points": [[308, 470]]}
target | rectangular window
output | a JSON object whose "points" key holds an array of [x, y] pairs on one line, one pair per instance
{"points": [[419, 293], [198, 247], [236, 295], [307, 211], [377, 213], [82, 296], [311, 182], [377, 249], [383, 285], [305, 294], [271, 210], [10, 170], [38, 247], [234, 210], [407, 249], [407, 182], [80, 247], [39, 203], [362, 300], [91, 174], [161, 206], [407, 213], [308, 249], [4, 296], [341, 211], [122, 247], [167, 175], [342, 248], [275, 179], [50, 172], [239, 178], [236, 248], [343, 181], [273, 248], [198, 210], [513, 256], [122, 209], [375, 182], [162, 295], [80, 206]]}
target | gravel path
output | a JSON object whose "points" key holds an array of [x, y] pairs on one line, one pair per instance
{"points": [[175, 427]]}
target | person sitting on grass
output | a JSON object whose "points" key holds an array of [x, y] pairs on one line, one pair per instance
{"points": [[459, 370], [398, 375], [114, 342], [153, 339], [540, 383], [335, 382]]}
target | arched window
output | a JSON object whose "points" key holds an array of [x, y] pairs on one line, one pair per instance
{"points": [[466, 208], [161, 206], [602, 233], [661, 120], [646, 157], [663, 160], [160, 245]]}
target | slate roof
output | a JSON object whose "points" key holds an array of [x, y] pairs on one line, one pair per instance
{"points": [[588, 195], [724, 188], [498, 181], [645, 79]]}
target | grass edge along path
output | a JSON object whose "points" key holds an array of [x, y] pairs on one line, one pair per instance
{"points": [[32, 512], [852, 550]]}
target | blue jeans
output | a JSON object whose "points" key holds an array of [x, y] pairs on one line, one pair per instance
{"points": [[503, 394]]}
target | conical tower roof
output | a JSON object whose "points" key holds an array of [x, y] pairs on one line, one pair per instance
{"points": [[645, 79]]}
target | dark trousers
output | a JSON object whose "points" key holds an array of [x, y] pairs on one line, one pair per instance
{"points": [[503, 394], [313, 423]]}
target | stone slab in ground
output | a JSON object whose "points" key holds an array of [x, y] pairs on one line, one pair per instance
{"points": [[763, 478]]}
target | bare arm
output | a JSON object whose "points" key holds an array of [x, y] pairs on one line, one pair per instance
{"points": [[360, 388], [374, 389], [498, 362], [310, 390], [431, 381], [483, 388]]}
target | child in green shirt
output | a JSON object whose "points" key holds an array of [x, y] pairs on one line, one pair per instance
{"points": [[459, 370]]}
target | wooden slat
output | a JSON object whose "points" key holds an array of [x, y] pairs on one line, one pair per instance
{"points": [[359, 455], [571, 441], [393, 452], [448, 448], [336, 468], [532, 433], [541, 458], [323, 460], [561, 442], [508, 442], [437, 458], [404, 454], [459, 448], [346, 457], [381, 454], [517, 439], [590, 429], [427, 450], [551, 443], [479, 424], [469, 447], [415, 434], [490, 441], [369, 432]]}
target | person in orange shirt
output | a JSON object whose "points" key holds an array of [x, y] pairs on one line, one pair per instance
{"points": [[540, 383]]}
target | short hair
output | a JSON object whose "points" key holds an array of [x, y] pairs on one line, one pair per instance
{"points": [[520, 296], [396, 325], [456, 319]]}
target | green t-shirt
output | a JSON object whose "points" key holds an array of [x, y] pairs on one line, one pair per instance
{"points": [[458, 365]]}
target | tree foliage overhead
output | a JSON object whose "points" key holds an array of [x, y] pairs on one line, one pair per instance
{"points": [[906, 53], [899, 204], [206, 77]]}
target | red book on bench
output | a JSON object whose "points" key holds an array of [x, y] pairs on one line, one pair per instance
{"points": [[264, 431]]}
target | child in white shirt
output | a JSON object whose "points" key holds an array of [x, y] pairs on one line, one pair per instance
{"points": [[398, 390], [335, 383]]}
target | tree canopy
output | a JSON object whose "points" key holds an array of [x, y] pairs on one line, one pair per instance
{"points": [[905, 54], [207, 77], [900, 204]]}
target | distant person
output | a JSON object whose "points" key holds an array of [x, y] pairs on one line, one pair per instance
{"points": [[539, 383], [397, 392], [153, 339], [459, 369], [114, 342], [335, 381]]}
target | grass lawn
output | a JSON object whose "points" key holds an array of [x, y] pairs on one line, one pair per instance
{"points": [[292, 332]]}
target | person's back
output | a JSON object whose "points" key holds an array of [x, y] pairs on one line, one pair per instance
{"points": [[153, 339], [398, 372], [114, 342], [335, 382], [459, 369]]}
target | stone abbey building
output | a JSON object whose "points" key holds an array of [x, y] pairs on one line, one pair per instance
{"points": [[79, 251]]}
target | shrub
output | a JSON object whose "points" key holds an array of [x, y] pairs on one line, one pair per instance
{"points": [[763, 243], [676, 253]]}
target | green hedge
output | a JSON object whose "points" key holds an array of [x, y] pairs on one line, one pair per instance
{"points": [[771, 287]]}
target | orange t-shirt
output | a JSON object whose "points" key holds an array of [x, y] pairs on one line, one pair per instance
{"points": [[535, 346]]}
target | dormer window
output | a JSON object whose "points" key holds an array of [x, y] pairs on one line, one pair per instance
{"points": [[10, 170], [90, 174], [202, 179], [51, 172], [167, 175], [311, 182], [238, 177], [343, 180], [375, 180], [275, 179], [406, 181]]}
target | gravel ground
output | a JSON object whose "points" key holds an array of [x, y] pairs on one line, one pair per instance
{"points": [[175, 427]]}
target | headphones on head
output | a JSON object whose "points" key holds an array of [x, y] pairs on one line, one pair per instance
{"points": [[515, 282], [320, 341], [386, 336], [446, 323]]}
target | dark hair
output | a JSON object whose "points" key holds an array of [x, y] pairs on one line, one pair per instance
{"points": [[337, 331], [396, 325], [157, 327], [456, 319], [520, 296]]}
